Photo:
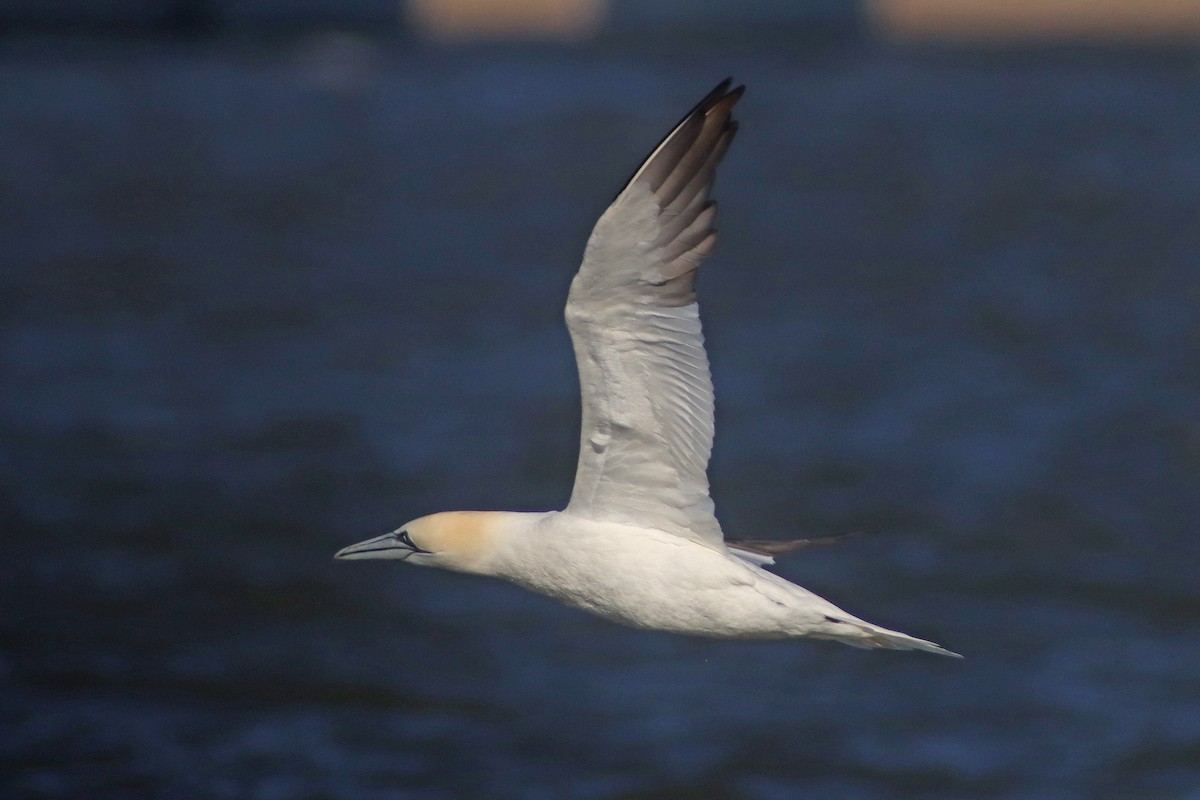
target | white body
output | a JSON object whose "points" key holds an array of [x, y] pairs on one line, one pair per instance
{"points": [[647, 578]]}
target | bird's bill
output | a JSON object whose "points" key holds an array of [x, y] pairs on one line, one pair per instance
{"points": [[386, 546]]}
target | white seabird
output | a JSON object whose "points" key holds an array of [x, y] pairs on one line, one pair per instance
{"points": [[638, 543]]}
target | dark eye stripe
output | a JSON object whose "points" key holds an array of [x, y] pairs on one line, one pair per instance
{"points": [[408, 542]]}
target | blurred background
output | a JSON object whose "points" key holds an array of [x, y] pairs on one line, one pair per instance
{"points": [[278, 276]]}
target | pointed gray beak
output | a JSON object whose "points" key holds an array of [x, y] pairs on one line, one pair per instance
{"points": [[387, 546]]}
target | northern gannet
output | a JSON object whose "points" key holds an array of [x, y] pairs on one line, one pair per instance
{"points": [[639, 543]]}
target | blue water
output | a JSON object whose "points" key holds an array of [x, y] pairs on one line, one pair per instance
{"points": [[262, 301]]}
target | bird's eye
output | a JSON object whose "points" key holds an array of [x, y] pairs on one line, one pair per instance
{"points": [[407, 541]]}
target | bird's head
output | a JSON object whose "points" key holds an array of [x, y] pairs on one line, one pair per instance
{"points": [[457, 540]]}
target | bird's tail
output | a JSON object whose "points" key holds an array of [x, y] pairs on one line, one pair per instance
{"points": [[863, 634], [841, 626]]}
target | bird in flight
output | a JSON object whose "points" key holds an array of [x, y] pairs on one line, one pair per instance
{"points": [[639, 542]]}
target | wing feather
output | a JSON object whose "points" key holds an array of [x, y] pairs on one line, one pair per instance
{"points": [[647, 393]]}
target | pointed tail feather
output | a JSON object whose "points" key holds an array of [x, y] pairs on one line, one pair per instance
{"points": [[870, 636]]}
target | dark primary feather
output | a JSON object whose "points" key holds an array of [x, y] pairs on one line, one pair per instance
{"points": [[775, 547], [680, 172]]}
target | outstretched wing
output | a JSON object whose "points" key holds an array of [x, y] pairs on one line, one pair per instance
{"points": [[632, 313]]}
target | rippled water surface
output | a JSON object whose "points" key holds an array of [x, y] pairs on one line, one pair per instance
{"points": [[262, 302]]}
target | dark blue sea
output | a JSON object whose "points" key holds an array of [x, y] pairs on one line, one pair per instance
{"points": [[263, 299]]}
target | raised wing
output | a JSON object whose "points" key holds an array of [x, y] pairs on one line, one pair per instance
{"points": [[647, 393]]}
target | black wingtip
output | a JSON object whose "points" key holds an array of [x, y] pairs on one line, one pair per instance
{"points": [[720, 95]]}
